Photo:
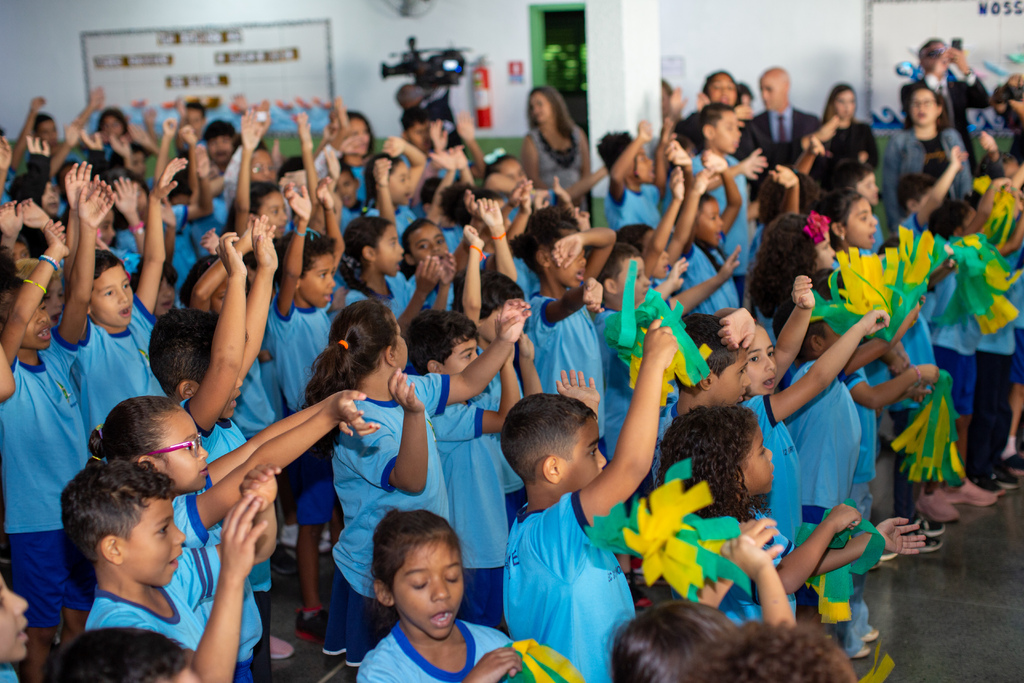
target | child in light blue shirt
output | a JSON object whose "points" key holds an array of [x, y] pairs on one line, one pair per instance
{"points": [[633, 196], [397, 466]]}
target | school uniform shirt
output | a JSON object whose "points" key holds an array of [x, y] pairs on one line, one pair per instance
{"points": [[42, 439], [703, 268], [222, 439], [452, 236], [397, 299], [404, 216], [828, 457], [490, 399], [125, 355], [784, 498], [634, 207], [669, 412], [253, 410], [569, 344], [964, 335], [395, 660], [563, 591], [737, 235], [8, 674], [185, 255], [739, 606], [295, 340], [194, 580], [409, 286], [869, 444], [527, 280], [618, 393], [476, 503], [362, 467]]}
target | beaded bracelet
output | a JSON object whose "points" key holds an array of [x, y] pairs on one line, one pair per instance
{"points": [[52, 262], [918, 382], [137, 228], [30, 282]]}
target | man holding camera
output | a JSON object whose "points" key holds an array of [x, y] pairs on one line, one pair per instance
{"points": [[959, 95]]}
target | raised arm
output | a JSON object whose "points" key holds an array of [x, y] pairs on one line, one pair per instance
{"points": [[489, 211], [937, 194], [682, 238], [791, 338], [635, 450], [624, 165], [209, 399], [27, 128], [472, 299], [493, 420], [298, 199], [896, 389], [93, 202], [382, 176], [31, 293], [588, 178], [257, 305], [827, 367], [467, 132], [478, 374], [154, 253]]}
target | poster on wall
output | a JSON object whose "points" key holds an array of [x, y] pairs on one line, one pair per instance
{"points": [[992, 34], [226, 68]]}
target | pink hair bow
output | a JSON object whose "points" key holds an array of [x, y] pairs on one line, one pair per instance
{"points": [[816, 227]]}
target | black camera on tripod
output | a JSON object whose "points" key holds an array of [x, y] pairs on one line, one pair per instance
{"points": [[430, 67]]}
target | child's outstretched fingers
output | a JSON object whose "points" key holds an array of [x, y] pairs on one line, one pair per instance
{"points": [[404, 392], [899, 536], [238, 536], [737, 329]]}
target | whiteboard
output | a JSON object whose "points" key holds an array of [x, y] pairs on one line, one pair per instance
{"points": [[288, 63], [992, 33]]}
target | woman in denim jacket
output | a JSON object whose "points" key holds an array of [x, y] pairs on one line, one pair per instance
{"points": [[906, 153]]}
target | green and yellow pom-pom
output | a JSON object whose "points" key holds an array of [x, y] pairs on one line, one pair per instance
{"points": [[929, 441], [541, 664]]}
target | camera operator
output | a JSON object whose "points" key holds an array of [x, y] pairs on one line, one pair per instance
{"points": [[959, 95]]}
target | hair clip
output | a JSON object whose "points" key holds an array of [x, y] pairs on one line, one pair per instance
{"points": [[344, 343], [494, 155], [816, 227]]}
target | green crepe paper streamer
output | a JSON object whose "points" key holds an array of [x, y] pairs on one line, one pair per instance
{"points": [[623, 329], [901, 298], [839, 582], [606, 531], [973, 295], [942, 395]]}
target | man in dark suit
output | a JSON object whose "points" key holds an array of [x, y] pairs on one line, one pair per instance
{"points": [[959, 95], [781, 123]]}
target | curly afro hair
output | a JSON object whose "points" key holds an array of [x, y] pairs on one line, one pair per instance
{"points": [[785, 253], [771, 198], [716, 439], [761, 653]]}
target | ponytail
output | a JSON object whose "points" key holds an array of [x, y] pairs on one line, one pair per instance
{"points": [[132, 428], [358, 338]]}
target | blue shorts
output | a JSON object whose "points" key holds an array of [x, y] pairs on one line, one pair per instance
{"points": [[482, 598], [312, 481], [805, 595], [50, 573], [243, 672], [350, 623], [964, 371], [1017, 364]]}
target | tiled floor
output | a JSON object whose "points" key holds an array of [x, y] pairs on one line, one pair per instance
{"points": [[954, 615]]}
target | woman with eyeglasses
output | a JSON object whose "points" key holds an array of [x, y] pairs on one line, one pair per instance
{"points": [[925, 146]]}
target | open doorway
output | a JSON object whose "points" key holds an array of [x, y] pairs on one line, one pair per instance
{"points": [[559, 50]]}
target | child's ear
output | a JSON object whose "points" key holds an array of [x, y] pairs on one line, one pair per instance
{"points": [[705, 384], [109, 548], [391, 356], [839, 230], [611, 286], [148, 461], [435, 367], [187, 389], [543, 257], [369, 254], [384, 596], [816, 342], [708, 130], [552, 469], [409, 259]]}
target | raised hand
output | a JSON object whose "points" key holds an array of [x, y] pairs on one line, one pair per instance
{"points": [[350, 418], [393, 146], [714, 162], [37, 103], [575, 385], [5, 153], [262, 235], [465, 126], [37, 146], [170, 126], [122, 146], [472, 238], [305, 135], [404, 392], [209, 241], [660, 345], [702, 180], [239, 535], [167, 182], [509, 325], [32, 216], [447, 264], [443, 160], [561, 194], [298, 199], [676, 184], [567, 248], [754, 164], [737, 329], [324, 194], [92, 142], [229, 256], [381, 172], [644, 132], [428, 274], [784, 176], [593, 294], [489, 211], [676, 272], [94, 201], [56, 241], [438, 135], [677, 156], [189, 135], [250, 131], [874, 321], [10, 220], [582, 218], [803, 292], [202, 162], [731, 264]]}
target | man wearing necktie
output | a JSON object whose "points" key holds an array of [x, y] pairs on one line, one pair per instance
{"points": [[959, 95], [781, 123]]}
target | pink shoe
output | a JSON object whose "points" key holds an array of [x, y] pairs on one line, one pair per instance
{"points": [[970, 494], [279, 649], [935, 507]]}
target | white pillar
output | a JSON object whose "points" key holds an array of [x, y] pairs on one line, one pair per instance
{"points": [[623, 68]]}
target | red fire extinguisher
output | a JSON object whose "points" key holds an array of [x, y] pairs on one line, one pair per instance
{"points": [[482, 94]]}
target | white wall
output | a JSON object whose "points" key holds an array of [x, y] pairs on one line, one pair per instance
{"points": [[819, 41], [40, 47]]}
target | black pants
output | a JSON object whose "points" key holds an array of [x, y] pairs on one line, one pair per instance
{"points": [[261, 653], [990, 426]]}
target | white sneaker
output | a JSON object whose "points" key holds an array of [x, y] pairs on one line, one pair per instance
{"points": [[289, 536], [1010, 450]]}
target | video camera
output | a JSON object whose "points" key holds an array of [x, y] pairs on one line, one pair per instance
{"points": [[440, 67]]}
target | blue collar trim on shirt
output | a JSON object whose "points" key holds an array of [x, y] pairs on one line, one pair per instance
{"points": [[172, 620], [120, 335], [32, 368], [430, 669], [307, 311], [383, 404]]}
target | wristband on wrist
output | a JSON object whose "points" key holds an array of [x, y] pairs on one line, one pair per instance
{"points": [[918, 382], [137, 228], [30, 282], [51, 261], [481, 251], [499, 237]]}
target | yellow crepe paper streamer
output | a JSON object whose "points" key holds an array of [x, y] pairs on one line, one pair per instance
{"points": [[1000, 222], [881, 670], [541, 664], [929, 441]]}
